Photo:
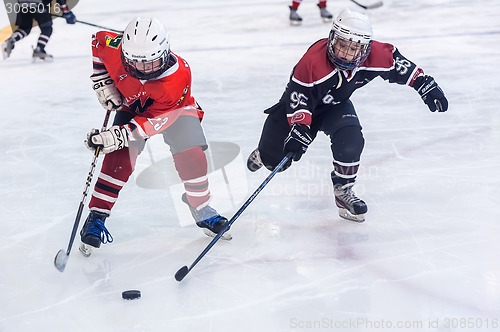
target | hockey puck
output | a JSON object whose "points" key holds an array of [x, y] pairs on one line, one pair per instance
{"points": [[131, 294]]}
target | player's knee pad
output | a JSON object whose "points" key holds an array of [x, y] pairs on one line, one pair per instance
{"points": [[270, 160], [46, 29], [347, 144]]}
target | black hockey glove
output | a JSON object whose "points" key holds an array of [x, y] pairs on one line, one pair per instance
{"points": [[297, 141], [68, 14], [431, 93]]}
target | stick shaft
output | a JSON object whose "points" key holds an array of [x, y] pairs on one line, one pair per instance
{"points": [[240, 211], [85, 191], [93, 25]]}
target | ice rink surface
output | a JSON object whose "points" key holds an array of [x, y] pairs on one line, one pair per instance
{"points": [[426, 259]]}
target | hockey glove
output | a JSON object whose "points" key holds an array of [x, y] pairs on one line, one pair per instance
{"points": [[68, 15], [115, 138], [297, 141], [431, 93], [107, 93]]}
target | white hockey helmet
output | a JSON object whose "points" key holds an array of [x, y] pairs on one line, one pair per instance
{"points": [[350, 40], [145, 48]]}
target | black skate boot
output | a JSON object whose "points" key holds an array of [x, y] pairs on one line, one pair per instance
{"points": [[40, 54], [254, 163], [325, 14], [7, 47], [94, 233], [350, 206], [295, 18], [208, 219]]}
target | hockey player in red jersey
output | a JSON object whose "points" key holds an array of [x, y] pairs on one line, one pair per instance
{"points": [[317, 99], [149, 86]]}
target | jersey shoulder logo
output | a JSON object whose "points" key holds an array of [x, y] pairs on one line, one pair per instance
{"points": [[114, 42]]}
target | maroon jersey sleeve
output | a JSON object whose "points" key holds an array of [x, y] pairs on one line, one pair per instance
{"points": [[391, 65]]}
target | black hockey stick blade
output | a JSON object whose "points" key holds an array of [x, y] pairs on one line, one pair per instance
{"points": [[370, 6], [183, 271], [60, 260]]}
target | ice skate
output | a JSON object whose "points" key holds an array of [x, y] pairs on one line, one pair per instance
{"points": [[325, 14], [254, 163], [295, 18], [208, 219], [7, 47], [350, 206], [40, 54], [94, 233]]}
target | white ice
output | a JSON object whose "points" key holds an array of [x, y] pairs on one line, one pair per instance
{"points": [[426, 259]]}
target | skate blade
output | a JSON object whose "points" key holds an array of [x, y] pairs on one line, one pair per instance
{"points": [[326, 19], [85, 249], [226, 236], [44, 59], [344, 213], [295, 23]]}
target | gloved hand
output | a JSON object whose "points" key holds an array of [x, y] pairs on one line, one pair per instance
{"points": [[115, 138], [107, 93], [431, 93], [68, 14], [297, 141], [70, 17]]}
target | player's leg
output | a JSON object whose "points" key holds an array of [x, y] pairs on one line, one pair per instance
{"points": [[24, 21], [44, 20], [295, 18], [187, 143], [342, 125], [269, 152], [115, 171], [323, 12]]}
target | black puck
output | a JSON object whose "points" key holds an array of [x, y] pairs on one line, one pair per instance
{"points": [[131, 294]]}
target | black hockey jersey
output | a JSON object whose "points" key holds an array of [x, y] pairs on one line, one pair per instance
{"points": [[315, 83]]}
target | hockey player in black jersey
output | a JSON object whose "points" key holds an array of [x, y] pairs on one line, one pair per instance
{"points": [[317, 99], [38, 10]]}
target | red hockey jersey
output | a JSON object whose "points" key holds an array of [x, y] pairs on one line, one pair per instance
{"points": [[156, 103]]}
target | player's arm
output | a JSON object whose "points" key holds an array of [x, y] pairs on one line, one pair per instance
{"points": [[103, 85], [406, 72], [299, 104]]}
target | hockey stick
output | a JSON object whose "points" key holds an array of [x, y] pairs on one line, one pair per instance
{"points": [[62, 256], [93, 25], [371, 6], [183, 271]]}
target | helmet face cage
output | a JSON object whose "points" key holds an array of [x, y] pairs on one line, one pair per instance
{"points": [[146, 69], [347, 54], [145, 48]]}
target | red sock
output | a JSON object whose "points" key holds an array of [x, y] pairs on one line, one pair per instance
{"points": [[191, 165], [295, 4], [115, 172]]}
